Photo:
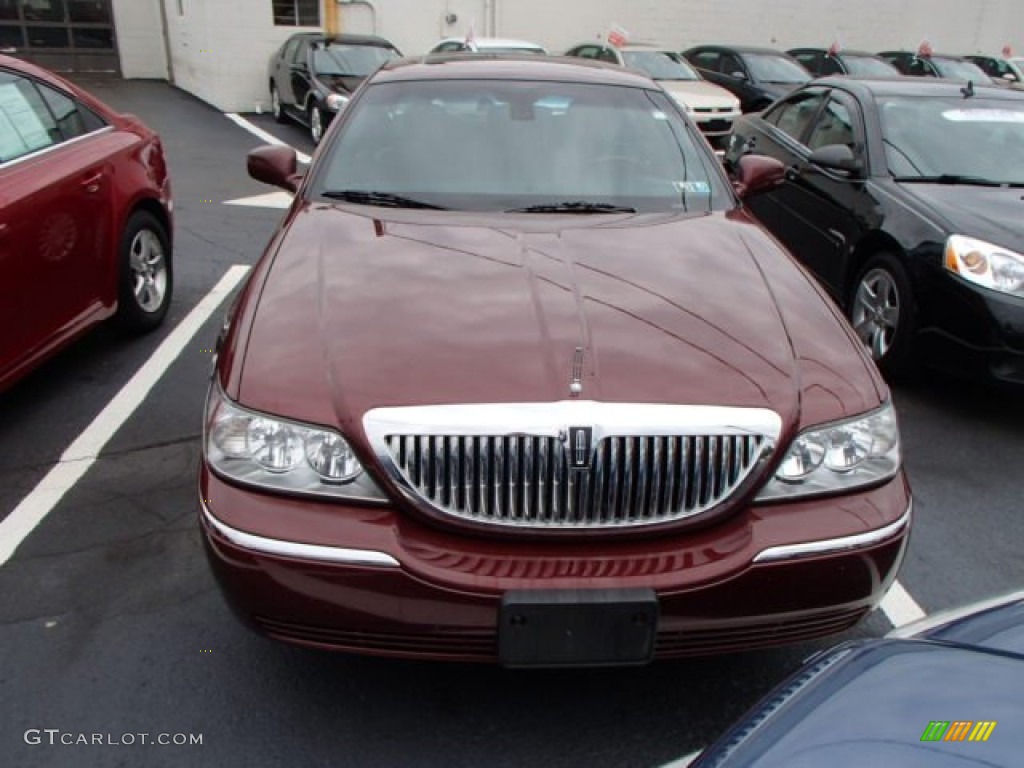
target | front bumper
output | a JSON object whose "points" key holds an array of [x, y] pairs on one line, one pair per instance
{"points": [[972, 331], [373, 580], [715, 124]]}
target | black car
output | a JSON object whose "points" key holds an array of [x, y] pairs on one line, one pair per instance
{"points": [[758, 76], [917, 238], [1009, 71], [827, 61], [312, 76], [935, 65], [943, 693]]}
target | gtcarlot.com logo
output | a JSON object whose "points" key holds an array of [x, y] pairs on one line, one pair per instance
{"points": [[56, 737], [958, 730]]}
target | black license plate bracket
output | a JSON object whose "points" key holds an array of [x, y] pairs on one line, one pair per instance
{"points": [[577, 628]]}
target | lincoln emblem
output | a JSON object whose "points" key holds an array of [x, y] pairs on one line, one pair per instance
{"points": [[580, 440]]}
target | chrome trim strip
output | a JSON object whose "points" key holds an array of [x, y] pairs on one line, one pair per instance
{"points": [[936, 620], [54, 147], [843, 544], [549, 419], [297, 550]]}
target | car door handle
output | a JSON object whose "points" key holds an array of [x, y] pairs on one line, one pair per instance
{"points": [[91, 185]]}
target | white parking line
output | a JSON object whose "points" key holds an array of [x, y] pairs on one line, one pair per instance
{"points": [[899, 607], [682, 762], [262, 135], [83, 452]]}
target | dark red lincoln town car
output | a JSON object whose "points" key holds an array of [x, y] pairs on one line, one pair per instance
{"points": [[518, 379]]}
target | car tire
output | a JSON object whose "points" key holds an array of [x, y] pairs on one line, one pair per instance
{"points": [[146, 279], [883, 314], [316, 123], [275, 105]]}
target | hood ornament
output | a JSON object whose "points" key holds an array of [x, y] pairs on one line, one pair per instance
{"points": [[576, 385]]}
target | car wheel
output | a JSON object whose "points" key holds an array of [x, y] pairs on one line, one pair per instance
{"points": [[275, 105], [882, 313], [316, 123], [146, 274]]}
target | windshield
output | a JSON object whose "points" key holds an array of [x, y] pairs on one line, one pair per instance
{"points": [[773, 68], [960, 70], [867, 66], [977, 138], [352, 60], [497, 145], [660, 65]]}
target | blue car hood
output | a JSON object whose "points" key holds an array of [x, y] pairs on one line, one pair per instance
{"points": [[871, 703]]}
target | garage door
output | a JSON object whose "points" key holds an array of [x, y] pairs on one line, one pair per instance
{"points": [[62, 35]]}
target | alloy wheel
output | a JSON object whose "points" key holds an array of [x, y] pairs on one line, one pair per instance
{"points": [[876, 312], [149, 270], [316, 124]]}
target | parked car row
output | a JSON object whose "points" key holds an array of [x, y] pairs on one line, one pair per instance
{"points": [[312, 75]]}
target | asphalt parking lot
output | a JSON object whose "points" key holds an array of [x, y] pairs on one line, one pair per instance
{"points": [[110, 622]]}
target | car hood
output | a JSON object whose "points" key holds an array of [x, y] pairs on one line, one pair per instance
{"points": [[995, 214], [700, 93], [871, 704], [409, 307]]}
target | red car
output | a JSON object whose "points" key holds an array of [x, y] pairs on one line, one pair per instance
{"points": [[519, 379], [85, 218]]}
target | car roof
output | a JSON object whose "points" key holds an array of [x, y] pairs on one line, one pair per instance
{"points": [[346, 39], [492, 42], [741, 49], [946, 56], [914, 86], [504, 66], [840, 53], [647, 47]]}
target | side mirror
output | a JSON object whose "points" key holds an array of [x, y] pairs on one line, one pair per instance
{"points": [[1010, 77], [836, 157], [277, 166], [738, 75], [756, 174]]}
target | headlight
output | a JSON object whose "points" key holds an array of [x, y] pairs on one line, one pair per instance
{"points": [[838, 457], [985, 264], [679, 100], [259, 449], [336, 101]]}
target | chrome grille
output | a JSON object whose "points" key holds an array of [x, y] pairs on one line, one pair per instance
{"points": [[524, 478]]}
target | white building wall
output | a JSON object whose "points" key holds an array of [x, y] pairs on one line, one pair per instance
{"points": [[140, 42], [952, 26], [220, 50]]}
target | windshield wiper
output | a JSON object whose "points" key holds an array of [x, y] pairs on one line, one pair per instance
{"points": [[382, 199], [578, 206], [953, 178]]}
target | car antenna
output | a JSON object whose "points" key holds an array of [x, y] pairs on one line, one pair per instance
{"points": [[968, 90]]}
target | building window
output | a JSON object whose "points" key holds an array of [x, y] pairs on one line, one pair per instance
{"points": [[297, 13]]}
